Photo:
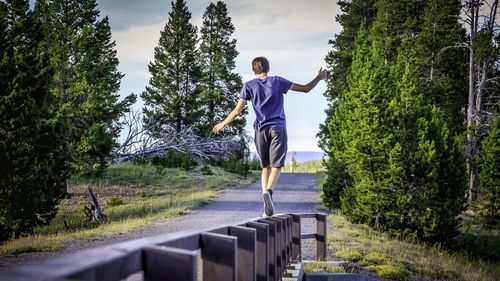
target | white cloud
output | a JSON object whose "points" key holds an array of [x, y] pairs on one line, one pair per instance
{"points": [[137, 43]]}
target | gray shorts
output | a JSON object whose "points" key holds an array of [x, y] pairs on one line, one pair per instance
{"points": [[271, 144]]}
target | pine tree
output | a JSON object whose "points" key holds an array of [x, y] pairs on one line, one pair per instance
{"points": [[443, 68], [220, 85], [172, 97], [393, 161], [33, 155], [355, 14], [358, 141], [86, 79], [489, 175], [425, 163]]}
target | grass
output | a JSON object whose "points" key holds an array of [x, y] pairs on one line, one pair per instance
{"points": [[314, 166], [375, 251], [367, 250], [322, 267], [132, 196], [32, 243]]}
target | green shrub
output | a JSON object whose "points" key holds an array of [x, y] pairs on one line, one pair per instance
{"points": [[206, 170], [489, 176], [174, 159], [349, 255], [236, 166], [375, 258], [486, 246], [114, 201], [389, 272], [141, 161], [254, 164], [338, 180]]}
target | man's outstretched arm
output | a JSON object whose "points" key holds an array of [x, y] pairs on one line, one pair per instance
{"points": [[309, 86], [236, 111]]}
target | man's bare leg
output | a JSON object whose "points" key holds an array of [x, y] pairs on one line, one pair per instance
{"points": [[273, 178], [267, 192], [265, 178]]}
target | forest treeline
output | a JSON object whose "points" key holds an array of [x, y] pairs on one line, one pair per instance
{"points": [[59, 103], [412, 129], [412, 123]]}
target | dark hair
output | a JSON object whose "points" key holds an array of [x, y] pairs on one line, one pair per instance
{"points": [[260, 65]]}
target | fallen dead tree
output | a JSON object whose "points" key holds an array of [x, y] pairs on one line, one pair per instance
{"points": [[139, 144], [93, 211]]}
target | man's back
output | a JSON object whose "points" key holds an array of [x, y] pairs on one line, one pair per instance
{"points": [[267, 100]]}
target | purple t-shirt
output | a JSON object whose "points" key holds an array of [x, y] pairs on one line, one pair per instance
{"points": [[267, 100]]}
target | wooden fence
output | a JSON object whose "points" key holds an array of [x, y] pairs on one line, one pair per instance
{"points": [[259, 249]]}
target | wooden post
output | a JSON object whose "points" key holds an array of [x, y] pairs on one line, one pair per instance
{"points": [[165, 263], [321, 238], [219, 254], [296, 240], [262, 249]]}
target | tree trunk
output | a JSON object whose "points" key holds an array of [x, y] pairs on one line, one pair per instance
{"points": [[470, 145], [95, 209], [477, 78]]}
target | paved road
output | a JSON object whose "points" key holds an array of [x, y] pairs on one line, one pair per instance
{"points": [[294, 193]]}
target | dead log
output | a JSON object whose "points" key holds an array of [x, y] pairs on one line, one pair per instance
{"points": [[93, 210]]}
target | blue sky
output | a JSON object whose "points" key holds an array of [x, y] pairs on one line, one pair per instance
{"points": [[292, 34]]}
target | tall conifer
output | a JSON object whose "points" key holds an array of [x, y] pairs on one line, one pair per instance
{"points": [[33, 154], [172, 97], [489, 175], [425, 163], [442, 72], [86, 79], [399, 165], [355, 14], [220, 85]]}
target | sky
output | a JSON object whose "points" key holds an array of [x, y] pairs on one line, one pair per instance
{"points": [[292, 34]]}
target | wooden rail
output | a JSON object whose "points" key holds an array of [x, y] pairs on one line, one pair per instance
{"points": [[259, 249]]}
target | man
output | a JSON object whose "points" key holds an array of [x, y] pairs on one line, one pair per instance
{"points": [[266, 93]]}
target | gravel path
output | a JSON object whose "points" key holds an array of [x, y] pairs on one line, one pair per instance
{"points": [[294, 193]]}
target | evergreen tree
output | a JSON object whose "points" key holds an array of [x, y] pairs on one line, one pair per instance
{"points": [[172, 97], [484, 69], [355, 14], [441, 68], [425, 163], [359, 135], [394, 21], [33, 155], [86, 80], [489, 175], [398, 165], [220, 85]]}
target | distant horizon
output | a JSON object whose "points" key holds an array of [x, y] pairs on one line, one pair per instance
{"points": [[300, 156]]}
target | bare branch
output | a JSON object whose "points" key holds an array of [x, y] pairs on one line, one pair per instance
{"points": [[461, 45], [139, 144]]}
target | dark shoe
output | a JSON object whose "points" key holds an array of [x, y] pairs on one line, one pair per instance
{"points": [[268, 203]]}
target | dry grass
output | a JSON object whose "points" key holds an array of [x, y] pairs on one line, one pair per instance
{"points": [[32, 243], [395, 259], [145, 197]]}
